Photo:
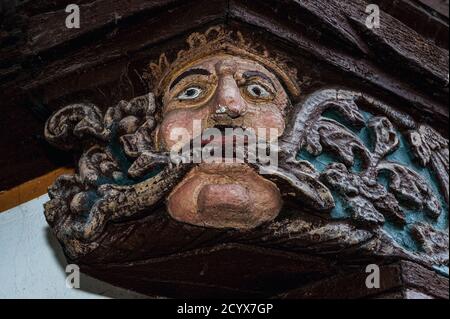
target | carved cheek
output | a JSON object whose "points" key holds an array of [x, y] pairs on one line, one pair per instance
{"points": [[268, 117], [177, 127]]}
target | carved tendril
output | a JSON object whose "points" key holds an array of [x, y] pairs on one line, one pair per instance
{"points": [[367, 199], [82, 205]]}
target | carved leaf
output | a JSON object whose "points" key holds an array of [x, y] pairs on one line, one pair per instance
{"points": [[312, 143], [68, 126], [61, 193], [338, 177], [384, 136], [410, 188], [337, 139], [141, 106], [432, 150], [147, 162], [433, 242], [71, 126], [349, 111], [367, 199], [301, 186], [364, 212], [299, 167], [139, 142], [98, 166], [302, 131], [424, 142], [389, 206]]}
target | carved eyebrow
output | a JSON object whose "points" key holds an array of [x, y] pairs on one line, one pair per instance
{"points": [[251, 74], [189, 73]]}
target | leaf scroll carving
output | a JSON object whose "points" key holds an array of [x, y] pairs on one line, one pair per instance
{"points": [[370, 202], [81, 205], [336, 138], [431, 149], [70, 125], [412, 189]]}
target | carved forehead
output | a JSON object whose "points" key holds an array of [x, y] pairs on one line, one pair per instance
{"points": [[220, 63]]}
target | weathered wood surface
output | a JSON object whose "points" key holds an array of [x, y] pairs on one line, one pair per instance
{"points": [[121, 45], [440, 6], [415, 16], [336, 19], [195, 274], [48, 30], [403, 280]]}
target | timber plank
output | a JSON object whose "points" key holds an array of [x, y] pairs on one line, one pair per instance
{"points": [[48, 30], [30, 190], [400, 280], [145, 34]]}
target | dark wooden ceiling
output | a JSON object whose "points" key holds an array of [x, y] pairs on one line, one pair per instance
{"points": [[44, 66]]}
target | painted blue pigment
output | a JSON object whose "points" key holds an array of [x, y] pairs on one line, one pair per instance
{"points": [[403, 155]]}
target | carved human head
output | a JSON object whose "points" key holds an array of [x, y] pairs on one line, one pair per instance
{"points": [[224, 85]]}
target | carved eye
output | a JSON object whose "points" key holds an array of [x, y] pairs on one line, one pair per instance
{"points": [[190, 93], [257, 90]]}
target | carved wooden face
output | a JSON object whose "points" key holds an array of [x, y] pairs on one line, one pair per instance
{"points": [[251, 96], [349, 186], [223, 91]]}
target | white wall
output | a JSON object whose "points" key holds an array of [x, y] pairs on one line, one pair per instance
{"points": [[32, 264]]}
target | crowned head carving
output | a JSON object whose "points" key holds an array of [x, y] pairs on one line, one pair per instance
{"points": [[222, 81], [222, 91]]}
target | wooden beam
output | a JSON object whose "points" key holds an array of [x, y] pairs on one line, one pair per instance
{"points": [[30, 190], [440, 6], [400, 280], [49, 29]]}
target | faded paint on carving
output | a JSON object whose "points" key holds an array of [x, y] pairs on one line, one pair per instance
{"points": [[105, 190]]}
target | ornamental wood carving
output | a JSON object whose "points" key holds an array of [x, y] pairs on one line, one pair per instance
{"points": [[344, 188]]}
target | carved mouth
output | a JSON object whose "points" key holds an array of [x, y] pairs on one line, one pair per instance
{"points": [[228, 136], [232, 144]]}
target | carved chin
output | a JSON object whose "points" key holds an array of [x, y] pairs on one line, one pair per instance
{"points": [[224, 196]]}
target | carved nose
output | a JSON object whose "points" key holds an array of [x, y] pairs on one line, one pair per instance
{"points": [[229, 99]]}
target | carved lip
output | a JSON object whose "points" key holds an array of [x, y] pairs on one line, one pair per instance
{"points": [[226, 137], [233, 146], [223, 140]]}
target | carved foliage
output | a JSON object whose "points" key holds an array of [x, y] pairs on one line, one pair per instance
{"points": [[81, 205], [431, 149], [433, 242], [369, 201], [70, 125], [75, 124]]}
